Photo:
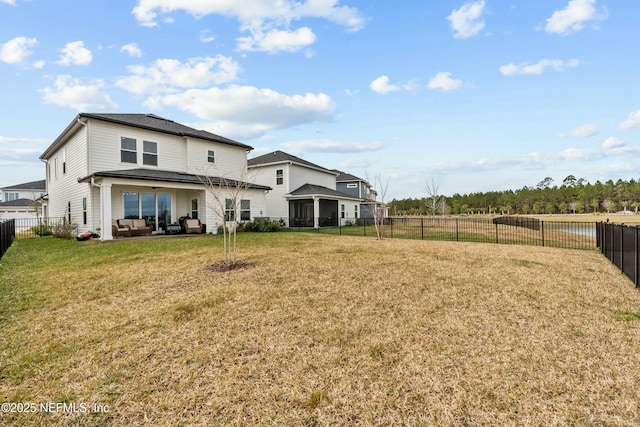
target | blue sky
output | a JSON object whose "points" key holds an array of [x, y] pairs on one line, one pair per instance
{"points": [[478, 95]]}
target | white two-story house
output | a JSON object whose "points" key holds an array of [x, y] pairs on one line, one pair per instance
{"points": [[104, 167], [303, 194], [22, 201]]}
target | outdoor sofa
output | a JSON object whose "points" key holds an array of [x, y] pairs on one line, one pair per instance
{"points": [[136, 226]]}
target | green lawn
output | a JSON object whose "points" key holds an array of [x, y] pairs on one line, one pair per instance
{"points": [[316, 330]]}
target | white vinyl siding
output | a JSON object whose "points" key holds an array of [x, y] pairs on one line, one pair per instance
{"points": [[66, 187], [105, 148], [298, 176], [276, 203], [230, 161]]}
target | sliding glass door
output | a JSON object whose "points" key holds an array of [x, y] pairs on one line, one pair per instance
{"points": [[155, 208]]}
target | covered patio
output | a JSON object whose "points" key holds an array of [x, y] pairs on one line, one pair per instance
{"points": [[316, 206], [161, 198]]}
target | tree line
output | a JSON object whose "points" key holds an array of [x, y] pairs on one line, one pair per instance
{"points": [[572, 196]]}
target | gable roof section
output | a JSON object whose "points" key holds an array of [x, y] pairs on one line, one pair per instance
{"points": [[33, 185], [319, 190], [147, 122], [19, 203], [278, 156], [347, 177], [169, 176]]}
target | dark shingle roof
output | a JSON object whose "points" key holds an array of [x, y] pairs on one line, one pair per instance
{"points": [[17, 203], [282, 157], [343, 176], [319, 190], [168, 176], [33, 185], [148, 122]]}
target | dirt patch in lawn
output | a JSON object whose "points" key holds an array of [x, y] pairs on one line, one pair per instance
{"points": [[222, 266]]}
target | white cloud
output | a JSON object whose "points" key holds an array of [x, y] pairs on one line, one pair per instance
{"points": [[70, 92], [353, 162], [16, 50], [466, 21], [252, 110], [443, 81], [331, 146], [632, 121], [573, 17], [539, 67], [381, 85], [131, 49], [612, 142], [583, 131], [75, 53], [277, 40], [167, 75], [9, 2], [267, 21], [206, 36], [21, 151]]}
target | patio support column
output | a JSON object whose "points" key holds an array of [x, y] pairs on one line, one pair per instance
{"points": [[316, 212], [105, 212]]}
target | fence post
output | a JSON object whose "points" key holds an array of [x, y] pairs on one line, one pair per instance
{"points": [[622, 247], [391, 226], [542, 231], [636, 258], [457, 231], [422, 227]]}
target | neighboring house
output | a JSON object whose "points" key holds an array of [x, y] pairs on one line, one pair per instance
{"points": [[23, 201], [105, 167], [303, 193]]}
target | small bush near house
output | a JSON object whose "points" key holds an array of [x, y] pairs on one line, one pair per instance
{"points": [[42, 230], [65, 230], [263, 226]]}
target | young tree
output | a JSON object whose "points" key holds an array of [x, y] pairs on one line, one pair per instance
{"points": [[434, 202], [226, 197], [378, 208]]}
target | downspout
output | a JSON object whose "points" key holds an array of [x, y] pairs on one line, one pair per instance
{"points": [[46, 189]]}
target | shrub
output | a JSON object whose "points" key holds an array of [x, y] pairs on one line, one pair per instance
{"points": [[65, 230], [264, 225], [42, 230]]}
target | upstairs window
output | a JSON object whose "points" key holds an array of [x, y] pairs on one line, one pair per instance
{"points": [[11, 196], [128, 150], [150, 153], [352, 185], [64, 161], [211, 156], [279, 176]]}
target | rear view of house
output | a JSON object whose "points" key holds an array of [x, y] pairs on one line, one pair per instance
{"points": [[304, 194], [105, 167]]}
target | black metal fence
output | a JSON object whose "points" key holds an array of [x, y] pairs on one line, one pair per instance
{"points": [[35, 227], [621, 245], [560, 234], [7, 234]]}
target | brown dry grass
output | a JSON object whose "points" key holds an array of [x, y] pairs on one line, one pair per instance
{"points": [[323, 330]]}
